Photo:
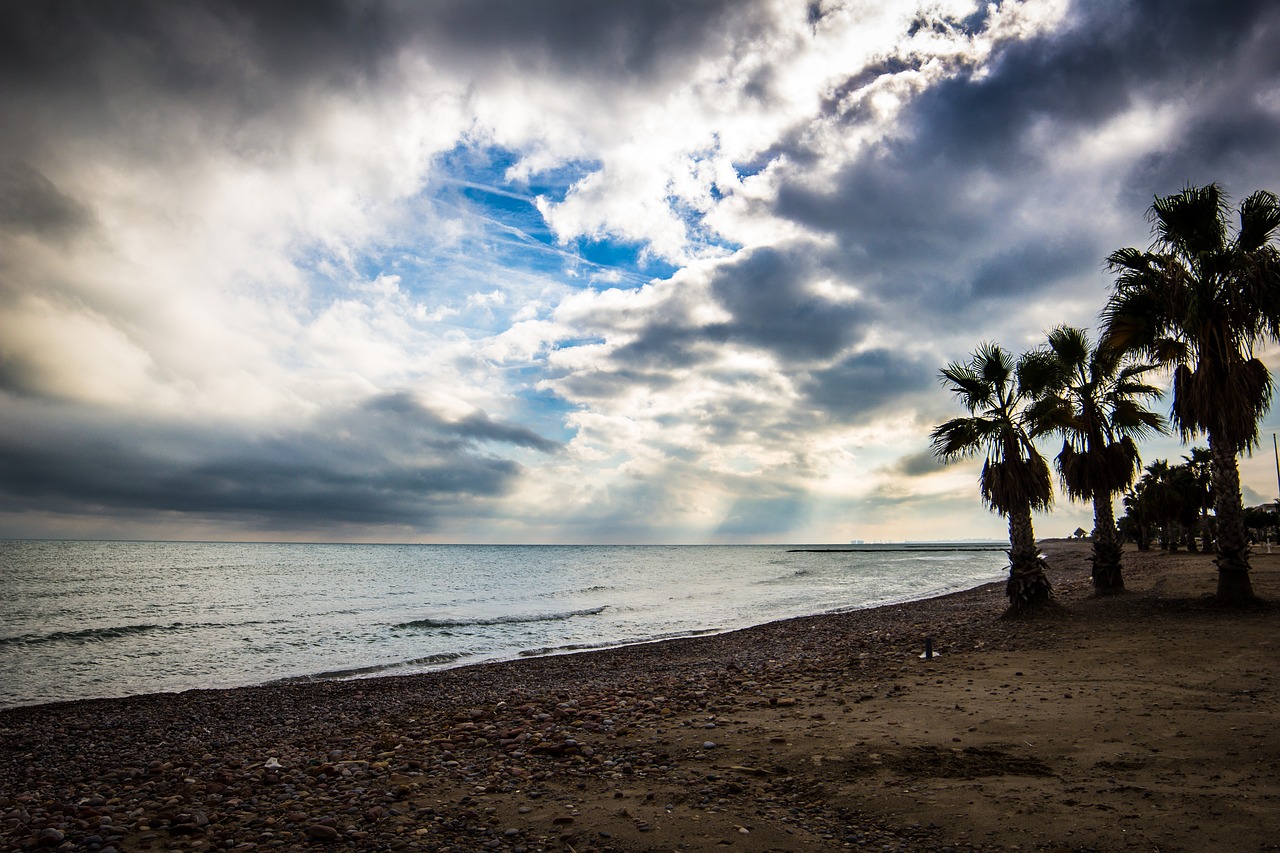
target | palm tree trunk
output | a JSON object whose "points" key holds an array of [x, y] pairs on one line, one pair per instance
{"points": [[1231, 538], [1107, 548], [1028, 587], [1144, 536]]}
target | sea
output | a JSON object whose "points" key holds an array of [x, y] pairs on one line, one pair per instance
{"points": [[103, 619]]}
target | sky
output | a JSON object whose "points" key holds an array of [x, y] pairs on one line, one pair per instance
{"points": [[565, 271]]}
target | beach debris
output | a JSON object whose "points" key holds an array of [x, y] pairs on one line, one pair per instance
{"points": [[929, 653], [272, 763], [755, 771]]}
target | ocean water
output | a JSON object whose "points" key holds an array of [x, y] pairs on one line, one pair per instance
{"points": [[98, 619]]}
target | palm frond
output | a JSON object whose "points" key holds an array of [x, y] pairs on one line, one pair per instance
{"points": [[1012, 482], [1191, 224], [1259, 219]]}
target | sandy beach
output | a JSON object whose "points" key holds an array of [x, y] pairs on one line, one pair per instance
{"points": [[1144, 721]]}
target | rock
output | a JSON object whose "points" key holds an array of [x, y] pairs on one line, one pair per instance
{"points": [[320, 832], [50, 837]]}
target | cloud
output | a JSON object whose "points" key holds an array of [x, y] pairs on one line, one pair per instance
{"points": [[387, 462], [568, 270], [30, 203], [918, 464], [857, 387]]}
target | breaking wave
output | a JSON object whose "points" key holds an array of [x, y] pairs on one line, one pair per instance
{"points": [[116, 632], [516, 619], [374, 669]]}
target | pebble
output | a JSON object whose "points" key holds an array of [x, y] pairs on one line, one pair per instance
{"points": [[321, 832], [50, 837]]}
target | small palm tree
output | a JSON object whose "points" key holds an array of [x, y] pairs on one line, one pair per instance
{"points": [[1161, 487], [1200, 301], [1093, 398], [1136, 523], [1015, 478], [1200, 471]]}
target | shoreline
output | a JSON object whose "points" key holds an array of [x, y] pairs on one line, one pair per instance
{"points": [[516, 658], [823, 732], [448, 661]]}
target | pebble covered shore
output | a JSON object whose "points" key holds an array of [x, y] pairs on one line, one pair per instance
{"points": [[692, 744]]}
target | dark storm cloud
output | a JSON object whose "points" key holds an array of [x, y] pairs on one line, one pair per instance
{"points": [[958, 210], [388, 461], [769, 294], [649, 38], [123, 73], [1029, 267], [254, 51], [189, 48], [857, 387], [1113, 55]]}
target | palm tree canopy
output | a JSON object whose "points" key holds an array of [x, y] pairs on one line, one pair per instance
{"points": [[1093, 397], [1200, 300], [988, 386]]}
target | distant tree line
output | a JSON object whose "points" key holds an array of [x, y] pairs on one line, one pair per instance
{"points": [[1195, 304], [1171, 507]]}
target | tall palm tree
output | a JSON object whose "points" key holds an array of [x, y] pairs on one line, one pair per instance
{"points": [[1093, 397], [1199, 301], [1015, 477]]}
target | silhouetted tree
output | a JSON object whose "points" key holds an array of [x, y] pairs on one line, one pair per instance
{"points": [[1015, 477], [1092, 398], [1199, 301], [1136, 522], [1199, 469]]}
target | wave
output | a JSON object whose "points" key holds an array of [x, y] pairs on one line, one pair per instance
{"points": [[373, 669], [87, 635], [544, 651], [578, 590], [515, 619], [785, 579], [116, 632]]}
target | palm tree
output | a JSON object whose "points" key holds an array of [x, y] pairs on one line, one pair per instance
{"points": [[1161, 488], [1200, 470], [1199, 301], [1093, 398], [1136, 522], [1015, 478]]}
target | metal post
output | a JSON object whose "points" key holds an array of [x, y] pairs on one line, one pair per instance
{"points": [[1276, 447]]}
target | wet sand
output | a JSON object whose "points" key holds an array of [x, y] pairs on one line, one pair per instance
{"points": [[1145, 721]]}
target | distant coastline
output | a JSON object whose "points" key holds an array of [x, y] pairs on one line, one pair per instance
{"points": [[882, 547]]}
